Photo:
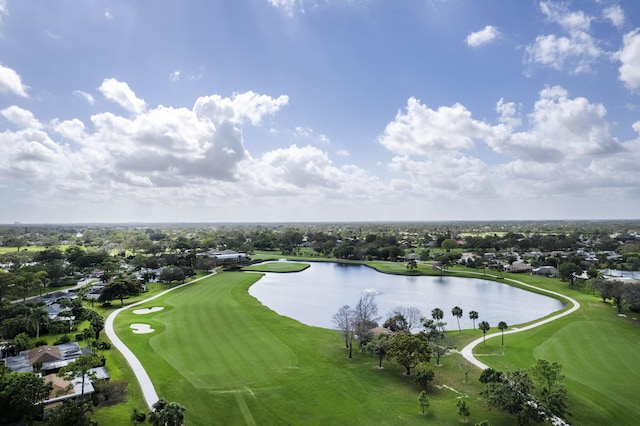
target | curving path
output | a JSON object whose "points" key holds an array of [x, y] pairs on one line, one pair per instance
{"points": [[467, 351], [148, 391]]}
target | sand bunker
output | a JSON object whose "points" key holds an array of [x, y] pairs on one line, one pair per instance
{"points": [[148, 310], [141, 328]]}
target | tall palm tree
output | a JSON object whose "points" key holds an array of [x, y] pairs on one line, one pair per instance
{"points": [[484, 326], [502, 326], [456, 311], [35, 318], [437, 314], [473, 315]]}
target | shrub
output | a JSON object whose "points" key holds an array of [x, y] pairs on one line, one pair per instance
{"points": [[63, 339]]}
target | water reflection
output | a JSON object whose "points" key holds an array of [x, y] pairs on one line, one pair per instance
{"points": [[315, 294]]}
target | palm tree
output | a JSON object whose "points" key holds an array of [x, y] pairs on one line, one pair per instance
{"points": [[484, 326], [474, 316], [36, 315], [457, 312], [502, 326], [437, 314]]}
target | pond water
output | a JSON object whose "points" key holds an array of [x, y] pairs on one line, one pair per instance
{"points": [[315, 294]]}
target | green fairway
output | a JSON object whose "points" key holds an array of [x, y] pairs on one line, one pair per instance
{"points": [[230, 360], [277, 267], [598, 350]]}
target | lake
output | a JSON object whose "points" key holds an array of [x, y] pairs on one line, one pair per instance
{"points": [[315, 294]]}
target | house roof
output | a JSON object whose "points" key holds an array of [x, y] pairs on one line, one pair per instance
{"points": [[44, 354]]}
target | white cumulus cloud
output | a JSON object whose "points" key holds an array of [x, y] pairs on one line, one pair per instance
{"points": [[629, 56], [120, 93], [485, 36], [88, 97], [615, 15], [21, 117], [421, 130], [10, 81]]}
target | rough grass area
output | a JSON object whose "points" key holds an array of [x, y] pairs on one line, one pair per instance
{"points": [[230, 360], [277, 267]]}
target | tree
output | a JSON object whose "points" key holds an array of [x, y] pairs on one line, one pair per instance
{"points": [[548, 373], [37, 316], [424, 377], [602, 287], [473, 316], [119, 289], [423, 400], [456, 311], [21, 395], [344, 320], [137, 416], [502, 326], [449, 244], [512, 393], [437, 314], [69, 413], [617, 293], [80, 368], [463, 410], [96, 321], [403, 319], [409, 350], [568, 271], [365, 318], [484, 326], [377, 347], [166, 413]]}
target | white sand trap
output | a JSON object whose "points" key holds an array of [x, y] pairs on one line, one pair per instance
{"points": [[141, 328], [148, 310]]}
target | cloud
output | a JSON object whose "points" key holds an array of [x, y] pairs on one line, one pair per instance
{"points": [[577, 51], [121, 94], [108, 15], [242, 106], [561, 129], [21, 117], [4, 11], [444, 175], [421, 130], [71, 129], [10, 81], [485, 36], [84, 95], [288, 6], [175, 76], [615, 15], [308, 173], [629, 56], [559, 13]]}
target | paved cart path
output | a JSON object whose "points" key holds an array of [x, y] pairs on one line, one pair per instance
{"points": [[148, 391]]}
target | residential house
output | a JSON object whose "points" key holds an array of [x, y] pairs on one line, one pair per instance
{"points": [[546, 271]]}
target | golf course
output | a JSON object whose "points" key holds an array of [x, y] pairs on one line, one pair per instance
{"points": [[229, 360]]}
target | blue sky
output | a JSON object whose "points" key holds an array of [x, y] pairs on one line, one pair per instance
{"points": [[318, 110]]}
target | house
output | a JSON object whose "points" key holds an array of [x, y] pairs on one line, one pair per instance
{"points": [[410, 256], [518, 267], [546, 271], [226, 257], [50, 359]]}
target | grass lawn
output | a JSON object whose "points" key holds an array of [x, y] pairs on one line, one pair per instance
{"points": [[599, 352], [230, 360], [277, 267]]}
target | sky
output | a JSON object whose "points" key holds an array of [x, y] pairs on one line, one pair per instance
{"points": [[318, 110]]}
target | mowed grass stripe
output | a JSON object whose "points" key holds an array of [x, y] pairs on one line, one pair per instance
{"points": [[212, 330], [617, 356]]}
